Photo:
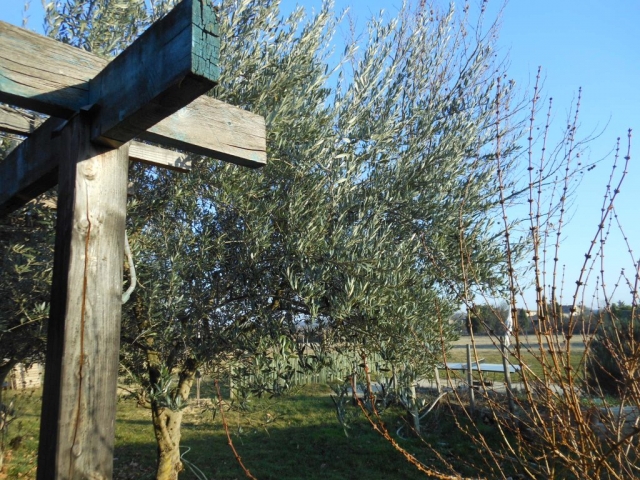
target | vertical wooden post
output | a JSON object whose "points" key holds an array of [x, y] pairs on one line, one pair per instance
{"points": [[507, 374], [472, 398], [438, 384], [79, 398]]}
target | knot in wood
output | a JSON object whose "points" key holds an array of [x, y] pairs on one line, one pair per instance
{"points": [[82, 226], [89, 170], [76, 450], [96, 476], [97, 219]]}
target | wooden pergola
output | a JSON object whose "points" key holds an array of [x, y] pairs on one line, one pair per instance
{"points": [[102, 114]]}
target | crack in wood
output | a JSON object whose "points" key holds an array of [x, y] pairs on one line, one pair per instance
{"points": [[76, 452]]}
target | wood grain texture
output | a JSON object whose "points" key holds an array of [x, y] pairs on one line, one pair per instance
{"points": [[20, 123], [208, 125], [31, 168], [42, 74], [235, 135], [79, 398], [159, 157], [58, 84]]}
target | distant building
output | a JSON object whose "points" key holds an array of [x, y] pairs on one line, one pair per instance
{"points": [[566, 310], [21, 378]]}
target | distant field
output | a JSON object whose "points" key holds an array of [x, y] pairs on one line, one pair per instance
{"points": [[530, 352], [484, 341]]}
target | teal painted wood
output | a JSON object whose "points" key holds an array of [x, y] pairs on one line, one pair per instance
{"points": [[171, 64], [42, 74], [206, 54], [30, 169], [50, 77]]}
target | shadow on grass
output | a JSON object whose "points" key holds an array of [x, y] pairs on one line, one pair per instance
{"points": [[294, 438], [290, 438]]}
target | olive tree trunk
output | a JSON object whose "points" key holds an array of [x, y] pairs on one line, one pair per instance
{"points": [[166, 425], [167, 421]]}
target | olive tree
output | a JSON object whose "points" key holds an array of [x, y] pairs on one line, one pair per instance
{"points": [[379, 159]]}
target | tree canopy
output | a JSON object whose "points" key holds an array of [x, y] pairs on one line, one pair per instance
{"points": [[381, 166]]}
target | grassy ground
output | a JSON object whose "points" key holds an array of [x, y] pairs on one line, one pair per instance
{"points": [[295, 437]]}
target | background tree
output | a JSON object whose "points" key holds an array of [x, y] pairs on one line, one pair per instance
{"points": [[26, 253], [491, 318], [525, 323], [609, 369]]}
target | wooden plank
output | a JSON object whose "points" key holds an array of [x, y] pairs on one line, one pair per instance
{"points": [[60, 86], [44, 75], [214, 129], [159, 157], [31, 168], [79, 398], [17, 123], [237, 135], [20, 123], [171, 64]]}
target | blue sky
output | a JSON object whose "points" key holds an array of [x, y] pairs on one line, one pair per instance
{"points": [[579, 43]]}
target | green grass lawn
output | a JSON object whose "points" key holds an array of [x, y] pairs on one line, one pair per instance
{"points": [[293, 437]]}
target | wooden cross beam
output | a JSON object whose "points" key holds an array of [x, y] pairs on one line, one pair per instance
{"points": [[58, 84], [35, 160], [97, 108], [24, 124]]}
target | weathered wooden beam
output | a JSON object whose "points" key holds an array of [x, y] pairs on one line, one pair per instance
{"points": [[44, 75], [210, 125], [172, 63], [79, 398], [17, 123], [20, 123], [159, 157], [57, 83], [31, 168]]}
